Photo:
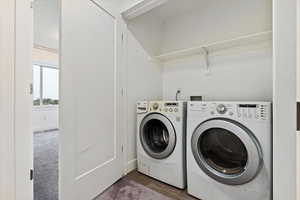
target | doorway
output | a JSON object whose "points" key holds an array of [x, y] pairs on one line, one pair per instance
{"points": [[45, 110]]}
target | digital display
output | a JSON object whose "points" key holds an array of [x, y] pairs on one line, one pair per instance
{"points": [[171, 104], [248, 106]]}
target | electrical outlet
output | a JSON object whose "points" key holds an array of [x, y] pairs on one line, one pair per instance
{"points": [[178, 94]]}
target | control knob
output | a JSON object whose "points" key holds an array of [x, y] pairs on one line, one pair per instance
{"points": [[155, 106], [221, 109]]}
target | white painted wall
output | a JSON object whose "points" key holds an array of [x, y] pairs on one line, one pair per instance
{"points": [[45, 57], [46, 23], [216, 20], [284, 98], [125, 4], [243, 73], [148, 30], [235, 75], [144, 82]]}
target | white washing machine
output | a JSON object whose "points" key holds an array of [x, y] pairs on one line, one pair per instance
{"points": [[161, 141], [229, 150]]}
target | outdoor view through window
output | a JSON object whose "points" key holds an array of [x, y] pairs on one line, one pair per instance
{"points": [[45, 85]]}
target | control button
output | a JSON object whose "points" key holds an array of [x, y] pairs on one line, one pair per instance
{"points": [[155, 106], [212, 112], [175, 110], [221, 109], [166, 109], [171, 110], [231, 113]]}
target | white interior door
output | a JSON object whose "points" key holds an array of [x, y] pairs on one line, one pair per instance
{"points": [[23, 131], [90, 141], [298, 101]]}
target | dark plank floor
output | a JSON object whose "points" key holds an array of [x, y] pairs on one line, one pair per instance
{"points": [[159, 187]]}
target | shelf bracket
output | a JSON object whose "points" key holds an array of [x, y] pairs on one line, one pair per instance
{"points": [[206, 61]]}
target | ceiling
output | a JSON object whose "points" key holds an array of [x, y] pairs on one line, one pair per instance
{"points": [[46, 23]]}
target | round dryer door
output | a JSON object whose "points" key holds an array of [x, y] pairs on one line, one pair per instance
{"points": [[157, 136], [226, 151]]}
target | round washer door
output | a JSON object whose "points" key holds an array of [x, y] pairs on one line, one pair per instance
{"points": [[226, 151], [157, 136]]}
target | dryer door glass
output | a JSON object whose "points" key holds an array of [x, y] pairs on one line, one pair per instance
{"points": [[223, 151], [157, 136], [226, 151]]}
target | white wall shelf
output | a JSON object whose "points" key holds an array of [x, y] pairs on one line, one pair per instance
{"points": [[141, 8], [217, 46]]}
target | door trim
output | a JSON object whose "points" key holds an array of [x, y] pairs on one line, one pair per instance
{"points": [[7, 85], [16, 41], [253, 148]]}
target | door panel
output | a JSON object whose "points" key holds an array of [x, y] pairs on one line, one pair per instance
{"points": [[23, 100], [91, 158]]}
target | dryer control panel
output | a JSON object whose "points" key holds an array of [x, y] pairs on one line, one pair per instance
{"points": [[255, 110]]}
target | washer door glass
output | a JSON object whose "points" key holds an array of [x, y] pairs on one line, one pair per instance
{"points": [[226, 151], [157, 136]]}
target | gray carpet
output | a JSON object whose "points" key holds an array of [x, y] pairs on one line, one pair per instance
{"points": [[126, 189], [46, 165]]}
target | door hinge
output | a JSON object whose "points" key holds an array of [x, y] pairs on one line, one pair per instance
{"points": [[122, 37], [31, 4], [31, 174], [122, 149], [298, 116], [31, 88]]}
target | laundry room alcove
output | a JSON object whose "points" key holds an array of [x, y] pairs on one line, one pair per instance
{"points": [[221, 50]]}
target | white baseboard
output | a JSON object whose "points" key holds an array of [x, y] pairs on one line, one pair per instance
{"points": [[131, 165]]}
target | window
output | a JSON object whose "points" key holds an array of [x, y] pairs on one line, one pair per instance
{"points": [[45, 85], [36, 85]]}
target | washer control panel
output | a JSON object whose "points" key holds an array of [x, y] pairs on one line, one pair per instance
{"points": [[159, 106], [221, 109], [142, 107], [256, 111], [167, 107]]}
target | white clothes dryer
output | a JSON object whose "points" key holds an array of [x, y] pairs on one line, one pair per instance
{"points": [[229, 150]]}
